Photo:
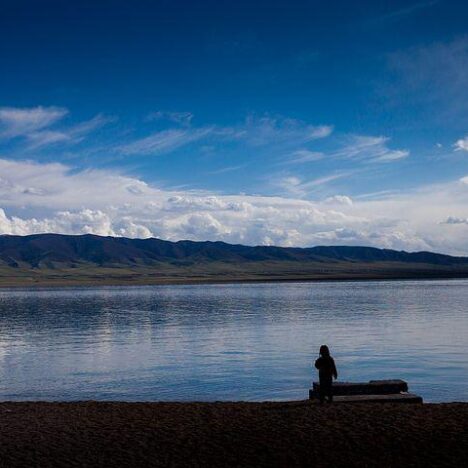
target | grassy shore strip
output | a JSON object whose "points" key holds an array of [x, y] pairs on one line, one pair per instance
{"points": [[239, 434], [8, 281]]}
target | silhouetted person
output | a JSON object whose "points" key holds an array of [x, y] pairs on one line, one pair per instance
{"points": [[327, 370]]}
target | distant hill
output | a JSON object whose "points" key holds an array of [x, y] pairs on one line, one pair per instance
{"points": [[152, 260]]}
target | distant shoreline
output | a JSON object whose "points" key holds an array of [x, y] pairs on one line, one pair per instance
{"points": [[87, 260], [46, 282]]}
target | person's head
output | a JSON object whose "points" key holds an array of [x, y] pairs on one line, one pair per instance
{"points": [[324, 351]]}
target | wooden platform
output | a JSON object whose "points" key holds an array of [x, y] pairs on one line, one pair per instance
{"points": [[392, 398], [374, 391]]}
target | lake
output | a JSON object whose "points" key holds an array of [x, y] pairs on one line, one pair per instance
{"points": [[231, 342]]}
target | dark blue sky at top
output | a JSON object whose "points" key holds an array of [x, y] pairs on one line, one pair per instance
{"points": [[221, 58], [364, 67]]}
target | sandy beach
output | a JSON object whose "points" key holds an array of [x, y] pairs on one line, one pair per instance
{"points": [[288, 434]]}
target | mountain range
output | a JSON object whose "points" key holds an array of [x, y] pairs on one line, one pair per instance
{"points": [[83, 259]]}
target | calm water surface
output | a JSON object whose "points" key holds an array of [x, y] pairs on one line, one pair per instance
{"points": [[230, 342]]}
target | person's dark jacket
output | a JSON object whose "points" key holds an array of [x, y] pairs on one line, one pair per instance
{"points": [[326, 367]]}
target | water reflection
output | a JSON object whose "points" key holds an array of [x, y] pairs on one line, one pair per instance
{"points": [[230, 342]]}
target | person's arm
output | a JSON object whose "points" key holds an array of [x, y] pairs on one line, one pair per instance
{"points": [[335, 373], [318, 363]]}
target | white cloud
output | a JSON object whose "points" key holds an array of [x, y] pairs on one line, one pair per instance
{"points": [[73, 134], [461, 145], [164, 141], [34, 125], [276, 132], [295, 186], [339, 200], [292, 185], [224, 170], [455, 220], [55, 198], [303, 156], [392, 155], [371, 149], [321, 131], [47, 137], [181, 118], [16, 122], [266, 130]]}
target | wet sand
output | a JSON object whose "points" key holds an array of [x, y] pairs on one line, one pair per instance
{"points": [[232, 434]]}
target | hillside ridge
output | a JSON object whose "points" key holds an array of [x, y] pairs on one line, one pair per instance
{"points": [[60, 250]]}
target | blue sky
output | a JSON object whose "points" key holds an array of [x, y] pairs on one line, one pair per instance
{"points": [[290, 123]]}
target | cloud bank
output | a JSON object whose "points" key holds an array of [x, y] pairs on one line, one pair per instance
{"points": [[37, 198]]}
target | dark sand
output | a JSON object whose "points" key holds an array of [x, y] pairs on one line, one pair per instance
{"points": [[232, 434]]}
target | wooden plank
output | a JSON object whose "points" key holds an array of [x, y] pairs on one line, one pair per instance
{"points": [[394, 398]]}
